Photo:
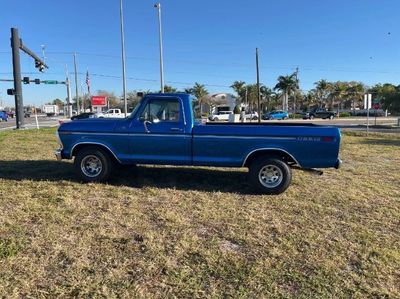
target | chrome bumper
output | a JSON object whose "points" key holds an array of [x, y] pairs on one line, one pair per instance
{"points": [[58, 154]]}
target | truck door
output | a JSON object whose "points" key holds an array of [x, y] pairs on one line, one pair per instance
{"points": [[158, 133]]}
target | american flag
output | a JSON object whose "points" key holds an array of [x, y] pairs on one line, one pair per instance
{"points": [[88, 81]]}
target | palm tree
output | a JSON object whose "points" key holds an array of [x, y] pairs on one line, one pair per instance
{"points": [[266, 95], [200, 92], [355, 91], [287, 84], [169, 89], [337, 93], [240, 88], [322, 88]]}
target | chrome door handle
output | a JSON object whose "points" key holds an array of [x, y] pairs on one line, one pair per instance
{"points": [[176, 129]]}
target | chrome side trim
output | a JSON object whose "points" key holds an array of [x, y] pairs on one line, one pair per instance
{"points": [[269, 149], [94, 143], [185, 135], [245, 137]]}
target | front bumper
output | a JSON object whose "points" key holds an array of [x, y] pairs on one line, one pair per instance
{"points": [[58, 154]]}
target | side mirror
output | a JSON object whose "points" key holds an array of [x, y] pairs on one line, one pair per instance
{"points": [[142, 118]]}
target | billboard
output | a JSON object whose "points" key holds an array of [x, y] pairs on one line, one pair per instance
{"points": [[99, 101]]}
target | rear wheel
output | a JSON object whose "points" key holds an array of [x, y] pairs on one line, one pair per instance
{"points": [[270, 175], [93, 164]]}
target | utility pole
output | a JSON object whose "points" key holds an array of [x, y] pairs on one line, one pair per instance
{"points": [[123, 57], [76, 85], [258, 87], [68, 84], [19, 104], [294, 95], [158, 6]]}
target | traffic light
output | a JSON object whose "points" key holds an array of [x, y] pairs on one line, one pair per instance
{"points": [[10, 91], [39, 66], [37, 81], [26, 80]]}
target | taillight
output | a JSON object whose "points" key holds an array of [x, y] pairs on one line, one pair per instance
{"points": [[328, 139]]}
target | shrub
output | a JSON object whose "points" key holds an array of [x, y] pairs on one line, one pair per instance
{"points": [[344, 114], [296, 116]]}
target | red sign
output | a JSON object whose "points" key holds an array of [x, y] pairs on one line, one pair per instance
{"points": [[99, 101]]}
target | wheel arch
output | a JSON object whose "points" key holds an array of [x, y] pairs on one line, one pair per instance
{"points": [[81, 145], [272, 152]]}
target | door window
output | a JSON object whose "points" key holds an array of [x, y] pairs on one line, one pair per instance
{"points": [[161, 111]]}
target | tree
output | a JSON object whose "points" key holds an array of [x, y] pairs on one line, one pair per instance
{"points": [[266, 95], [337, 92], [322, 90], [240, 88], [113, 100], [169, 89], [201, 93], [286, 85], [58, 102], [389, 95], [355, 92]]}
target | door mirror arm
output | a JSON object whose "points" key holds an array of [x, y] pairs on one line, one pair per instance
{"points": [[145, 123]]}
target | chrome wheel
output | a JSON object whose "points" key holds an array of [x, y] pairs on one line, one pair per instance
{"points": [[91, 166], [270, 176]]}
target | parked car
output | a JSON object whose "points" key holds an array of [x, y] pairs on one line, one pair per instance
{"points": [[3, 116], [278, 114], [112, 113], [27, 114], [320, 113], [222, 115], [84, 115], [250, 116], [10, 114], [163, 130]]}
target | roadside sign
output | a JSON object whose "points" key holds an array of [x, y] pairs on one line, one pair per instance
{"points": [[367, 101], [50, 81], [99, 101]]}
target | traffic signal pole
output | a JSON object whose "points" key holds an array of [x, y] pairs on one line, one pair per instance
{"points": [[19, 104], [16, 45]]}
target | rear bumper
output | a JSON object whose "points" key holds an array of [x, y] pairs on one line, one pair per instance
{"points": [[338, 163]]}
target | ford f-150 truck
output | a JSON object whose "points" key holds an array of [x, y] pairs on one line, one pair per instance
{"points": [[163, 130]]}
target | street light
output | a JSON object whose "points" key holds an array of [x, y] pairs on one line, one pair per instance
{"points": [[123, 58], [158, 6]]}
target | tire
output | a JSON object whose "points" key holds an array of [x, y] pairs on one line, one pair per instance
{"points": [[88, 161], [277, 183], [216, 119]]}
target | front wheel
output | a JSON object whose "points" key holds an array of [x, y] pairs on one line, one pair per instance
{"points": [[93, 165], [270, 175]]}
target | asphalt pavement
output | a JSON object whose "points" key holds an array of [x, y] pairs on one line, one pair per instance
{"points": [[30, 123]]}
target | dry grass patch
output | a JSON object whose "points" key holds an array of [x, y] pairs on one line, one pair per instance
{"points": [[198, 232]]}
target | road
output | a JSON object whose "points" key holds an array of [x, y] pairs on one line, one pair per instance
{"points": [[384, 124], [30, 123]]}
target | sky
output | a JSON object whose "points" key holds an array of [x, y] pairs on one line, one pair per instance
{"points": [[210, 42]]}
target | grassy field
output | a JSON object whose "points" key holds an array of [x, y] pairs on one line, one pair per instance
{"points": [[157, 232]]}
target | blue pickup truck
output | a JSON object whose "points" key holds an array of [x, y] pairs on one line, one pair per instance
{"points": [[163, 129]]}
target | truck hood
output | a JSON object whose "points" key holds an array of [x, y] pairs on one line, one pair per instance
{"points": [[91, 125]]}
